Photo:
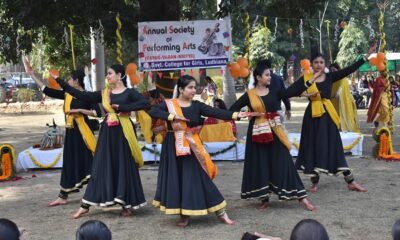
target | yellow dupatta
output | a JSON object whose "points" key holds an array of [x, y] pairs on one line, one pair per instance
{"points": [[145, 123], [258, 105], [114, 120], [318, 104], [187, 141], [84, 129], [345, 105]]}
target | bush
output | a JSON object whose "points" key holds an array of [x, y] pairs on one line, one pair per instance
{"points": [[24, 95]]}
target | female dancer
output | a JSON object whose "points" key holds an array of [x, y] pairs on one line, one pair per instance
{"points": [[321, 149], [184, 184], [268, 165], [344, 103], [80, 143], [115, 177]]}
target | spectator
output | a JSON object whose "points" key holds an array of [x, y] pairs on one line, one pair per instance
{"points": [[210, 92], [278, 84], [219, 103], [306, 229], [93, 230], [394, 89], [364, 87], [396, 230], [309, 229], [8, 230]]}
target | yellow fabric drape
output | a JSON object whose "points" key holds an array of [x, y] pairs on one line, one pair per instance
{"points": [[224, 130], [187, 141], [345, 105], [145, 123], [318, 104], [84, 129], [159, 138], [384, 108], [127, 128], [258, 105]]}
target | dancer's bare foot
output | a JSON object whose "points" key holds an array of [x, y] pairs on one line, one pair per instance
{"points": [[314, 188], [126, 213], [80, 212], [263, 205], [356, 187], [307, 204], [183, 222], [57, 202], [225, 219]]}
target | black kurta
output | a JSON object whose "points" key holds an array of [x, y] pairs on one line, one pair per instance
{"points": [[183, 187], [269, 167], [115, 177], [77, 158], [321, 149]]}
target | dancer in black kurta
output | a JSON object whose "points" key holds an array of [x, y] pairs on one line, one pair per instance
{"points": [[115, 177], [321, 149], [79, 141], [184, 184], [268, 165]]}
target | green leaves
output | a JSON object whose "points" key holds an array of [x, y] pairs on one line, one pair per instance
{"points": [[353, 42]]}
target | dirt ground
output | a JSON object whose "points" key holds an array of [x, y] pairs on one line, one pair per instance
{"points": [[345, 214]]}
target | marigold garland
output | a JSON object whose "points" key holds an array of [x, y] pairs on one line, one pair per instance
{"points": [[386, 74], [7, 160], [385, 149], [40, 165], [6, 166]]}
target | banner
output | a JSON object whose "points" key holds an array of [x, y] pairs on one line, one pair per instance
{"points": [[180, 45]]}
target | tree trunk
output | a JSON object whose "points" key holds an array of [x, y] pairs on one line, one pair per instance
{"points": [[97, 69], [229, 83], [229, 89]]}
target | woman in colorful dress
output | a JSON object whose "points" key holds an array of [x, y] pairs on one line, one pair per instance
{"points": [[268, 165], [321, 148], [379, 109], [80, 142], [184, 184], [115, 176], [210, 92]]}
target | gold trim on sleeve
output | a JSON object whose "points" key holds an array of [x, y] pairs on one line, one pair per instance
{"points": [[171, 117], [235, 115]]}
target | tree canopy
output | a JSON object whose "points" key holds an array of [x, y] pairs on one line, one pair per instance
{"points": [[41, 27]]}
